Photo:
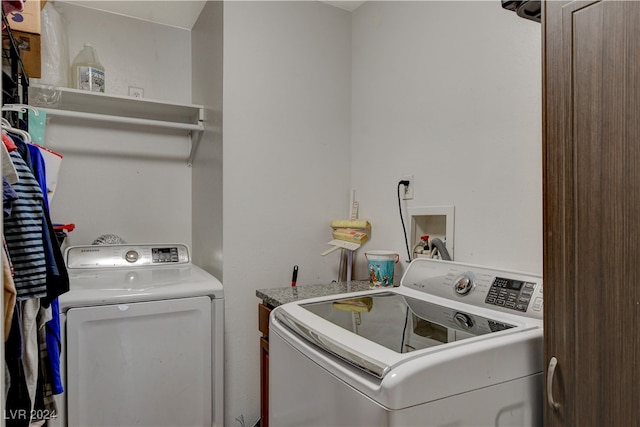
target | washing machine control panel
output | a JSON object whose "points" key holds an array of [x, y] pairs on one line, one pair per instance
{"points": [[509, 293], [502, 290], [102, 256]]}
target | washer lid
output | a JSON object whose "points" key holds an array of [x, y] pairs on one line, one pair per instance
{"points": [[115, 286], [382, 316], [378, 331], [439, 305]]}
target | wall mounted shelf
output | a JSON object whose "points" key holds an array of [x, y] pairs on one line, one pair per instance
{"points": [[83, 105]]}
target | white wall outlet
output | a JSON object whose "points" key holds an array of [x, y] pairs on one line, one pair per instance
{"points": [[408, 189], [136, 92]]}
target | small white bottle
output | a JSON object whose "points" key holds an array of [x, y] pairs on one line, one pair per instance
{"points": [[87, 73]]}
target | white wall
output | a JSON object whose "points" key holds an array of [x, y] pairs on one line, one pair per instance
{"points": [[123, 179], [207, 44], [451, 93], [287, 73], [134, 52]]}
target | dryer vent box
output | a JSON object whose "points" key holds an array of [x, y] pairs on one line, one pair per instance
{"points": [[434, 221]]}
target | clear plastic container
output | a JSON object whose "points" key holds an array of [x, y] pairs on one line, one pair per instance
{"points": [[87, 73]]}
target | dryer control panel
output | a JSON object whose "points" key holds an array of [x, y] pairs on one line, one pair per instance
{"points": [[105, 256]]}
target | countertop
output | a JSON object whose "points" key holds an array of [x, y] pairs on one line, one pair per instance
{"points": [[274, 297]]}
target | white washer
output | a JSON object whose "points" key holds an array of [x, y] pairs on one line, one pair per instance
{"points": [[142, 333], [454, 344]]}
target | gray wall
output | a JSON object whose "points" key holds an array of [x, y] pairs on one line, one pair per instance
{"points": [[206, 45], [450, 92], [287, 85], [123, 179]]}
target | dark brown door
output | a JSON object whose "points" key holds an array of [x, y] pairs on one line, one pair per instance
{"points": [[592, 211]]}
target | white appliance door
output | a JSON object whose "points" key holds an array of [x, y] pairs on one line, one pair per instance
{"points": [[303, 393], [140, 364]]}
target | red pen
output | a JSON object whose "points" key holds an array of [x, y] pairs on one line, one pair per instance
{"points": [[295, 276]]}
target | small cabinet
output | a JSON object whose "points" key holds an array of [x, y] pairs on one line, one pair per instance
{"points": [[591, 198], [263, 327]]}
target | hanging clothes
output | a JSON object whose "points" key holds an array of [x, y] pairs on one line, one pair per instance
{"points": [[40, 276], [30, 355], [9, 176], [23, 234], [8, 170], [57, 277], [28, 158], [9, 293]]}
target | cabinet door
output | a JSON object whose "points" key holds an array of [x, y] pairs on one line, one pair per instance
{"points": [[592, 211], [264, 382], [263, 326]]}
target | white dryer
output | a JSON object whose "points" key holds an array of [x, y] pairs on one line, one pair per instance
{"points": [[454, 345], [142, 333]]}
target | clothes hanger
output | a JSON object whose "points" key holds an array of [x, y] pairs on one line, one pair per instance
{"points": [[6, 125], [20, 108], [24, 134]]}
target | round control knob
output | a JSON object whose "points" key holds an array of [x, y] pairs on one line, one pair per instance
{"points": [[463, 285], [131, 256], [464, 320]]}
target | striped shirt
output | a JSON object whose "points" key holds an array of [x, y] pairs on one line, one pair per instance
{"points": [[23, 234]]}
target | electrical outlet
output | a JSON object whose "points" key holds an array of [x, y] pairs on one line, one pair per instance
{"points": [[136, 92], [408, 189]]}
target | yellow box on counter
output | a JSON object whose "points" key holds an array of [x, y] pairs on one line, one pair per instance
{"points": [[29, 46], [28, 20], [350, 235]]}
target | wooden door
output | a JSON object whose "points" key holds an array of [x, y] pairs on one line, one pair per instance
{"points": [[591, 120]]}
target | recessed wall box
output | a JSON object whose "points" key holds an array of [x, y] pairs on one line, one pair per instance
{"points": [[434, 221]]}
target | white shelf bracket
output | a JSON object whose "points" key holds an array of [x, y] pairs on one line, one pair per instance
{"points": [[194, 141]]}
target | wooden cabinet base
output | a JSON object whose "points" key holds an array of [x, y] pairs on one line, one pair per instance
{"points": [[263, 327]]}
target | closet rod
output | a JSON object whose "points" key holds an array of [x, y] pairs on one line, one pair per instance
{"points": [[120, 119]]}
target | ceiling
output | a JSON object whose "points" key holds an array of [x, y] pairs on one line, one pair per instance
{"points": [[177, 13], [180, 13]]}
